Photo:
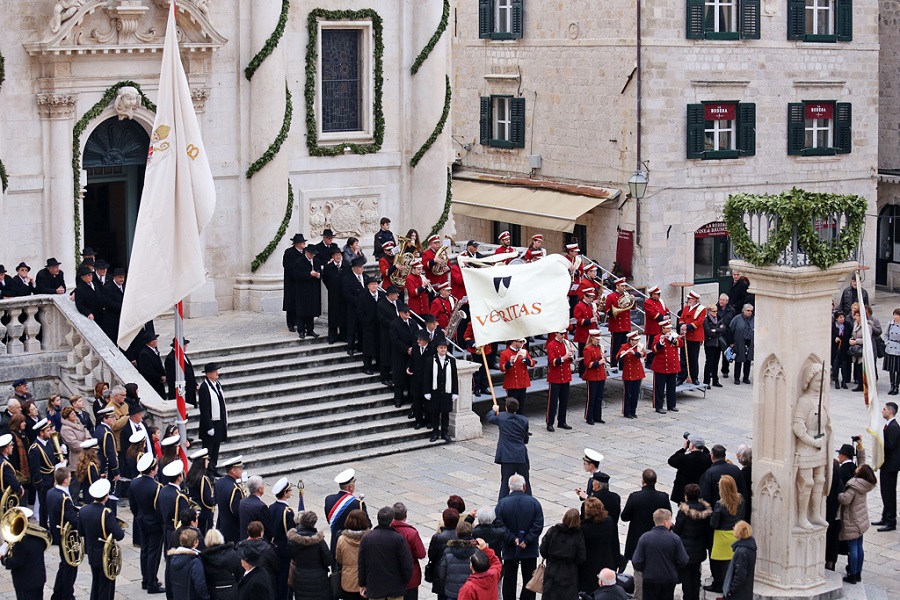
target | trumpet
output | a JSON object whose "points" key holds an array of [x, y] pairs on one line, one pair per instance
{"points": [[427, 285]]}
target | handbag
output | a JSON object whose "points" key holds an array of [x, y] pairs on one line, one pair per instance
{"points": [[879, 345], [536, 583], [855, 350], [428, 572], [336, 582]]}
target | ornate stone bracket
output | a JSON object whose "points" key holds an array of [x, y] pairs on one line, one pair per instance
{"points": [[57, 106], [199, 95]]}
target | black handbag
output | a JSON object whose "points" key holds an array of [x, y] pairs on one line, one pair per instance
{"points": [[428, 572], [879, 346], [336, 582], [855, 350]]}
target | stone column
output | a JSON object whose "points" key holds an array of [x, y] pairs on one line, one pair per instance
{"points": [[262, 291], [790, 474], [57, 111], [465, 424]]}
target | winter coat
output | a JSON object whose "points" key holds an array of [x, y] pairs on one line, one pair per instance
{"points": [[659, 556], [854, 513], [483, 586], [186, 579], [493, 533], [454, 569], [223, 570], [741, 329], [601, 543], [692, 526], [714, 331], [436, 551], [72, 435], [312, 559], [639, 509], [741, 570], [722, 519], [385, 564], [690, 468], [416, 550], [523, 517], [347, 555], [564, 550], [848, 297]]}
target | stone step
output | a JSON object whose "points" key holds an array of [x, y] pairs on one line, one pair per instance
{"points": [[295, 396], [297, 362], [236, 355], [313, 385], [338, 373]]}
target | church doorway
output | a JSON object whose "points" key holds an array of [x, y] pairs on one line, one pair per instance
{"points": [[115, 157]]}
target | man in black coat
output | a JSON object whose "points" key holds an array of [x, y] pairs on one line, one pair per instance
{"points": [[190, 379], [254, 509], [94, 520], [150, 365], [325, 249], [889, 468], [256, 584], [5, 283], [26, 564], [847, 466], [418, 364], [61, 510], [388, 310], [22, 284], [281, 516], [228, 498], [333, 277], [512, 448], [385, 563], [638, 511], [143, 497], [523, 518], [690, 462], [403, 338], [289, 303], [370, 330], [213, 415], [171, 502], [50, 279], [111, 297], [709, 482], [308, 292], [353, 286], [660, 556], [87, 297], [737, 295]]}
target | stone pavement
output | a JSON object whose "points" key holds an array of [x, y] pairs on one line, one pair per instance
{"points": [[423, 479]]}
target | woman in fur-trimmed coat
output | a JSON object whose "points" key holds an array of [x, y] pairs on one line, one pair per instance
{"points": [[311, 559]]}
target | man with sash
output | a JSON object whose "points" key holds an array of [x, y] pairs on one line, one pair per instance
{"points": [[143, 494], [61, 510], [282, 517], [41, 463], [339, 505], [228, 498]]}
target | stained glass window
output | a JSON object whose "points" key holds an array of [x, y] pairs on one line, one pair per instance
{"points": [[342, 68]]}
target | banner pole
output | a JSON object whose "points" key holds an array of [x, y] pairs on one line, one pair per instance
{"points": [[179, 373], [487, 372]]}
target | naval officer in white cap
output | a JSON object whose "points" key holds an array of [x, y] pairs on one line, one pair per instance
{"points": [[339, 505]]}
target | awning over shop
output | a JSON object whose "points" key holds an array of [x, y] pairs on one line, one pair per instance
{"points": [[533, 207]]}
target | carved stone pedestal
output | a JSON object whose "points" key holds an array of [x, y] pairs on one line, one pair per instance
{"points": [[792, 445], [259, 293], [465, 424]]}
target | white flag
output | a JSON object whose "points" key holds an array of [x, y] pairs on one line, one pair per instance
{"points": [[515, 301], [870, 391], [178, 200]]}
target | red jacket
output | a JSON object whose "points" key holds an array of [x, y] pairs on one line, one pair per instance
{"points": [[516, 376], [619, 324], [533, 255], [469, 336], [428, 260], [588, 284], [483, 586], [632, 363], [417, 295], [666, 359], [693, 317], [505, 250], [583, 313], [457, 285], [442, 311], [594, 364], [559, 368], [656, 311], [416, 548], [577, 274], [384, 265]]}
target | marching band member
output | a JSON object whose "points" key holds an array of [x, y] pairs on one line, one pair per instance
{"points": [[514, 363], [341, 504], [228, 498], [41, 463], [171, 502], [25, 561], [200, 489], [590, 281], [595, 376], [585, 314], [534, 251], [480, 377], [559, 375], [619, 325], [61, 510], [576, 270], [143, 495], [106, 444], [282, 517], [417, 290], [95, 523], [7, 470], [386, 264], [655, 311], [631, 354], [665, 367], [442, 306], [471, 251], [504, 247], [428, 257], [692, 317]]}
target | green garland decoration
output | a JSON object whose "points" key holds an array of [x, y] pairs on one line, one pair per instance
{"points": [[312, 54], [80, 126], [448, 201], [275, 146], [435, 37], [795, 210], [438, 129], [271, 43], [282, 229], [4, 178]]}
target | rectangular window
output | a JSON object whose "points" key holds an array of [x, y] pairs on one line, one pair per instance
{"points": [[502, 16], [817, 128], [718, 130], [719, 127], [345, 82], [721, 16], [723, 19], [500, 19], [503, 122], [819, 17], [820, 20]]}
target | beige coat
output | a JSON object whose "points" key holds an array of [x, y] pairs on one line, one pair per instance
{"points": [[72, 435], [854, 514], [347, 555]]}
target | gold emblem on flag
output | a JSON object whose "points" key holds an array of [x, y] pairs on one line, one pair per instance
{"points": [[161, 133], [193, 151]]}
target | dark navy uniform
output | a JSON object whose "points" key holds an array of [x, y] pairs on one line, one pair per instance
{"points": [[61, 510], [282, 517], [25, 560], [336, 511], [42, 466], [8, 477], [143, 495], [254, 509], [202, 494], [106, 451], [170, 503], [228, 498], [95, 523]]}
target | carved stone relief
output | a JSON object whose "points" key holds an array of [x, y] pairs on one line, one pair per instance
{"points": [[57, 106], [128, 99], [345, 216]]}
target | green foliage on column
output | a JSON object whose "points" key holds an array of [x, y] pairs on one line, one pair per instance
{"points": [[435, 37], [448, 201], [282, 229], [438, 129], [271, 43], [275, 146]]}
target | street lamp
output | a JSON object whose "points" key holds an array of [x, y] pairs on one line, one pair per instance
{"points": [[637, 185]]}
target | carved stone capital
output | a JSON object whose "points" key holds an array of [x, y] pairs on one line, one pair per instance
{"points": [[57, 105], [199, 96]]}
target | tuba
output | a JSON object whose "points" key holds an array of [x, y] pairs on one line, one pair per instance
{"points": [[9, 500], [455, 319], [112, 558], [71, 545], [440, 268], [14, 526], [626, 302], [402, 264]]}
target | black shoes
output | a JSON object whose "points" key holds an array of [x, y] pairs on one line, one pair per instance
{"points": [[292, 329], [879, 523], [660, 411], [737, 382], [589, 422], [747, 381], [673, 410], [156, 590], [302, 335], [398, 404], [888, 527], [716, 383], [314, 334], [601, 421], [858, 388], [447, 438], [850, 579], [434, 438], [564, 426], [368, 371], [417, 426], [550, 428]]}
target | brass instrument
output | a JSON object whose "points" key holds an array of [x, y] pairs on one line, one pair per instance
{"points": [[71, 544], [455, 319], [57, 448], [441, 262], [9, 500], [626, 302], [402, 264], [14, 526], [572, 349], [112, 558]]}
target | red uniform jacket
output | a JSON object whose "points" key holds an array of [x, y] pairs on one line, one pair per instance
{"points": [[457, 285], [632, 363], [577, 275], [516, 373], [588, 284], [583, 313], [656, 311], [693, 317], [384, 265], [666, 358], [469, 339], [505, 250], [417, 295], [533, 255], [428, 260], [619, 324], [594, 364], [442, 311], [559, 368]]}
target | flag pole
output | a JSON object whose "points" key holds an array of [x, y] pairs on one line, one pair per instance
{"points": [[179, 373], [487, 372]]}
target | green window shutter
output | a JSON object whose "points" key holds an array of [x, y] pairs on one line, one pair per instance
{"points": [[517, 116], [746, 129], [486, 124], [695, 29], [750, 19], [484, 18], [696, 123], [796, 129], [796, 21], [843, 24], [518, 19], [843, 135]]}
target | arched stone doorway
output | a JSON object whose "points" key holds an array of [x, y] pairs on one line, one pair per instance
{"points": [[115, 157]]}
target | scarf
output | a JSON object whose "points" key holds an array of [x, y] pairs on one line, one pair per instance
{"points": [[435, 369], [215, 412]]}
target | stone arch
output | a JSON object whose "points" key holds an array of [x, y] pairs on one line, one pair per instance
{"points": [[772, 416]]}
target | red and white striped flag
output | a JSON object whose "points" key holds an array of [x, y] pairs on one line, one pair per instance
{"points": [[870, 390]]}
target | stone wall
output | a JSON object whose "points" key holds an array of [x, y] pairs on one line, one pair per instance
{"points": [[889, 82]]}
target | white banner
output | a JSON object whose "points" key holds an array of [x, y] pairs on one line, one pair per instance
{"points": [[513, 301], [870, 390], [178, 200]]}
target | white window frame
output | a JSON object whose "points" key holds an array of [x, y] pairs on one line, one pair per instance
{"points": [[500, 7], [715, 5], [813, 8], [719, 127], [814, 127], [367, 80], [504, 102]]}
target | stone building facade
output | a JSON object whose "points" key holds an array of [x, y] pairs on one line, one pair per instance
{"points": [[887, 263], [574, 66], [70, 66]]}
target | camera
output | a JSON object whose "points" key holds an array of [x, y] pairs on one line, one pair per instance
{"points": [[855, 439], [687, 434]]}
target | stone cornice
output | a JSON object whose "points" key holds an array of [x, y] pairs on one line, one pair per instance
{"points": [[53, 105]]}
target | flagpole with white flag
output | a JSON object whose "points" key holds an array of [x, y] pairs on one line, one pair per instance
{"points": [[870, 391], [177, 202]]}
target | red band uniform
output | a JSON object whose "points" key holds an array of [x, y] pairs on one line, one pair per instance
{"points": [[595, 376], [692, 317], [655, 311], [585, 314], [516, 379], [632, 377], [619, 325], [417, 294], [559, 376], [665, 367]]}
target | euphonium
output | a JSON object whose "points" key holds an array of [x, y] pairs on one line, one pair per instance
{"points": [[402, 264], [71, 544], [626, 302], [455, 319], [112, 558], [441, 265], [9, 500], [14, 526]]}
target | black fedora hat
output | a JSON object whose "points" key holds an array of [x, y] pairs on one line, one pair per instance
{"points": [[52, 262], [328, 233], [118, 271], [22, 265], [298, 237], [210, 367]]}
